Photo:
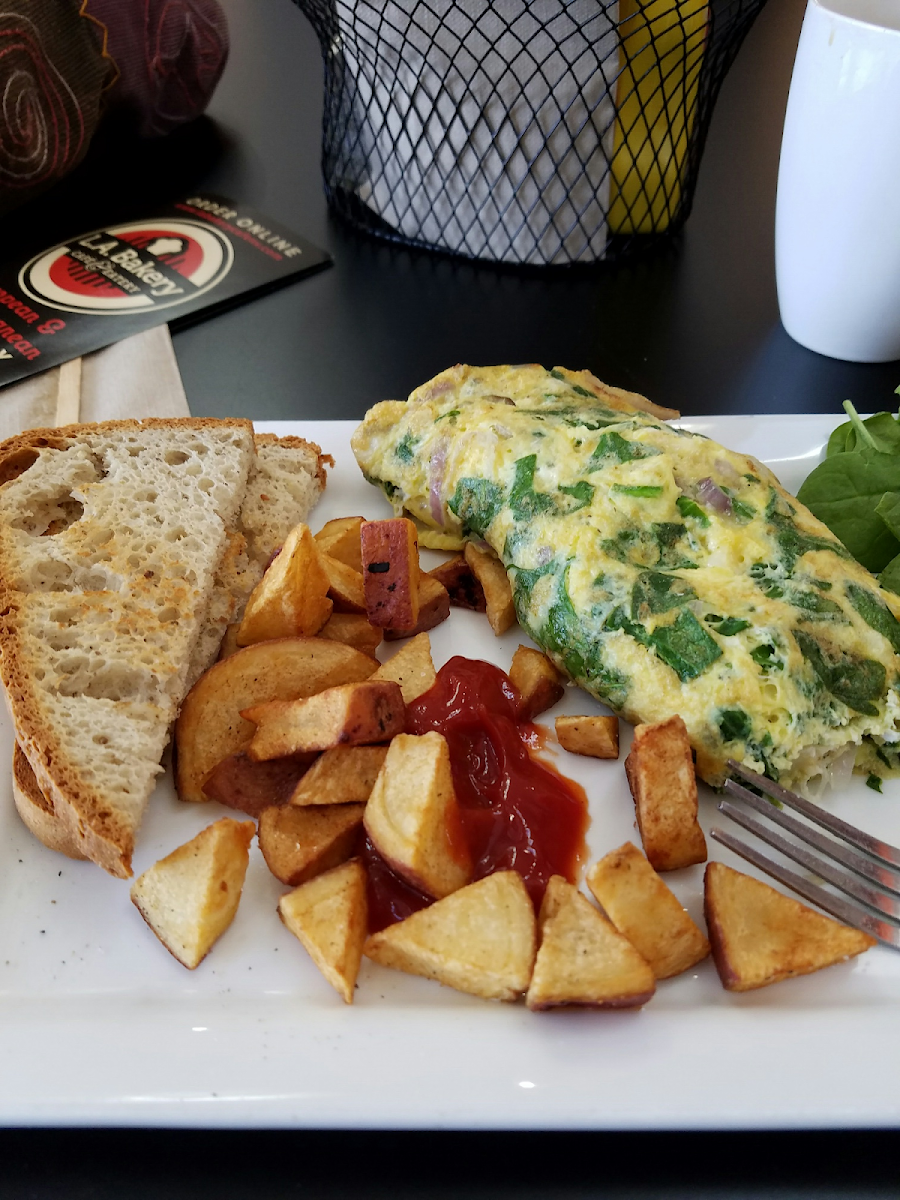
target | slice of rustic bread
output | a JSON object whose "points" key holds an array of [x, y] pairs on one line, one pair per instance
{"points": [[110, 539]]}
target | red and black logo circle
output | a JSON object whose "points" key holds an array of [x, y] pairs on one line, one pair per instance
{"points": [[130, 268]]}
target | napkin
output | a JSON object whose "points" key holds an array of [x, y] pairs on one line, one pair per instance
{"points": [[137, 377], [485, 129]]}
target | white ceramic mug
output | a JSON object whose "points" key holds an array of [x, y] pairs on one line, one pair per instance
{"points": [[837, 216]]}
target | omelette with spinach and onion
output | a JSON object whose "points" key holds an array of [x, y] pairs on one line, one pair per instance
{"points": [[662, 572]]}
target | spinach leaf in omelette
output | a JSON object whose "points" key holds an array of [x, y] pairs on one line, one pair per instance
{"points": [[476, 502], [613, 448], [524, 502], [654, 592], [855, 681], [875, 613]]}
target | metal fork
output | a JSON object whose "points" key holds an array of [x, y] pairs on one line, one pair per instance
{"points": [[879, 864]]}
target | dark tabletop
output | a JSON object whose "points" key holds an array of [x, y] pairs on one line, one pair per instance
{"points": [[696, 327]]}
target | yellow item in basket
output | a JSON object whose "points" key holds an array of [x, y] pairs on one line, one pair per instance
{"points": [[661, 53]]}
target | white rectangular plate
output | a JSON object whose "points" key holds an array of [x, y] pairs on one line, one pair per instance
{"points": [[100, 1026]]}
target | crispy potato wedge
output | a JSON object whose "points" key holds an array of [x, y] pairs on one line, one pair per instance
{"points": [[642, 908], [491, 574], [189, 898], [412, 817], [660, 773], [390, 557], [345, 586], [229, 644], [210, 726], [480, 940], [329, 917], [300, 843], [238, 782], [596, 737], [353, 630], [760, 936], [340, 539], [434, 607], [412, 667], [342, 775], [583, 959], [462, 587], [353, 714], [537, 681], [291, 599]]}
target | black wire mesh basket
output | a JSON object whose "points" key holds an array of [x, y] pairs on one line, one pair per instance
{"points": [[526, 131]]}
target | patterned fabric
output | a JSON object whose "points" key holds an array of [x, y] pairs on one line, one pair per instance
{"points": [[170, 55], [63, 63]]}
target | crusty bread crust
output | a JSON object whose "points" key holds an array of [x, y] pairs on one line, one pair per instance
{"points": [[37, 811], [47, 795]]}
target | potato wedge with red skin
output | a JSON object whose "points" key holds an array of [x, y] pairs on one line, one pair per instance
{"points": [[537, 681], [291, 599], [582, 958], [390, 558], [340, 539], [239, 782], [342, 775], [345, 586], [412, 817], [760, 936], [329, 917], [434, 607], [354, 714], [642, 908], [491, 574], [210, 725], [300, 843], [660, 772], [462, 587], [595, 737]]}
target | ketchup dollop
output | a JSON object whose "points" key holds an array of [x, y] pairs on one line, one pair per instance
{"points": [[517, 811]]}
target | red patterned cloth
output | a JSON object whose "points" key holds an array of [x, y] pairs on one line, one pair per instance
{"points": [[64, 63]]}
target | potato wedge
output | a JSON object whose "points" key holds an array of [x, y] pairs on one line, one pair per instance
{"points": [[329, 917], [660, 773], [342, 775], [390, 556], [480, 940], [345, 586], [760, 936], [537, 681], [583, 959], [238, 782], [412, 667], [491, 574], [340, 539], [210, 726], [291, 599], [596, 737], [189, 898], [412, 817], [353, 630], [642, 908], [434, 607], [462, 587], [300, 843], [353, 714]]}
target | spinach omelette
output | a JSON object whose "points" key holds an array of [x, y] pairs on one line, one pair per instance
{"points": [[662, 572]]}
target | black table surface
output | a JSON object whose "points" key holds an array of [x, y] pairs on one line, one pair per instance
{"points": [[695, 327]]}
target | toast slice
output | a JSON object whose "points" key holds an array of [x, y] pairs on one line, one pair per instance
{"points": [[112, 574]]}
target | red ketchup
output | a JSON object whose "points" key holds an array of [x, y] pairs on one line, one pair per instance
{"points": [[517, 812]]}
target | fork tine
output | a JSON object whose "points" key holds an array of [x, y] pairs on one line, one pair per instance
{"points": [[886, 905], [877, 873], [863, 841], [848, 913]]}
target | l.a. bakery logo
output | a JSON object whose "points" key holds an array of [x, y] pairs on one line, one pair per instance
{"points": [[130, 268]]}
